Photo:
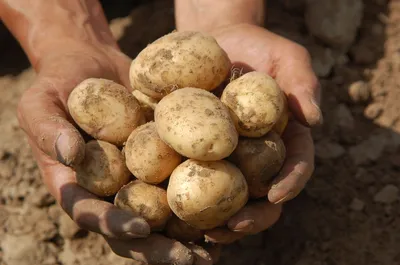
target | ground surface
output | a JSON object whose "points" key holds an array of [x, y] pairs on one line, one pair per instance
{"points": [[348, 214]]}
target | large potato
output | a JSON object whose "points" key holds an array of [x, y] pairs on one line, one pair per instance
{"points": [[145, 200], [103, 171], [105, 110], [259, 159], [196, 124], [148, 157], [147, 104], [177, 60], [256, 103], [206, 194]]}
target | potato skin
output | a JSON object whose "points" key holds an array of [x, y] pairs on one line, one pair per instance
{"points": [[259, 159], [181, 231], [196, 124], [206, 194], [177, 60], [105, 110], [147, 104], [145, 200], [103, 171], [148, 157], [280, 125], [255, 102]]}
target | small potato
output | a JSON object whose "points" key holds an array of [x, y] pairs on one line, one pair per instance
{"points": [[148, 157], [256, 103], [196, 124], [206, 194], [105, 110], [145, 200], [103, 171], [259, 159], [181, 231], [147, 104], [282, 122], [177, 60]]}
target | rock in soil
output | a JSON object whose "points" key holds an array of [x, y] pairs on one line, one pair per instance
{"points": [[357, 205], [328, 150], [369, 150], [388, 194], [335, 22], [359, 91]]}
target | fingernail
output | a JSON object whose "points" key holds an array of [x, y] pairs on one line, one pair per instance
{"points": [[134, 235], [243, 226], [208, 239], [276, 196], [316, 118], [69, 150]]}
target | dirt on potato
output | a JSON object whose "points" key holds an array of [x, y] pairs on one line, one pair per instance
{"points": [[349, 213]]}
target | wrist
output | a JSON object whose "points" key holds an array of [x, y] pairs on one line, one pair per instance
{"points": [[206, 15], [49, 28]]}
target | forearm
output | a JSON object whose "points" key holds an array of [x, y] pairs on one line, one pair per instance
{"points": [[45, 27], [204, 15]]}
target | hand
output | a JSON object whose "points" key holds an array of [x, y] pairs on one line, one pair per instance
{"points": [[256, 48], [57, 146]]}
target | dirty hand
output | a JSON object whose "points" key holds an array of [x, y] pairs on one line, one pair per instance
{"points": [[57, 146], [66, 43], [255, 48]]}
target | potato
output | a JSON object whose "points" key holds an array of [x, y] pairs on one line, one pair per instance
{"points": [[200, 255], [283, 120], [196, 124], [103, 171], [259, 159], [147, 104], [206, 194], [256, 103], [105, 110], [177, 60], [181, 231], [145, 200], [148, 157]]}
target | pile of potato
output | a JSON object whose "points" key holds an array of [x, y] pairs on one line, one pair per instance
{"points": [[174, 152]]}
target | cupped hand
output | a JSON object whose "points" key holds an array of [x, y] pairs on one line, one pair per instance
{"points": [[255, 48], [58, 146]]}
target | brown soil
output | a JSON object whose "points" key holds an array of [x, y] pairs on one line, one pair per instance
{"points": [[348, 214]]}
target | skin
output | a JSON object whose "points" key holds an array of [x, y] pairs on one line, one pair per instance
{"points": [[81, 42]]}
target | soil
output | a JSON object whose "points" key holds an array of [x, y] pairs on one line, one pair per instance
{"points": [[349, 213]]}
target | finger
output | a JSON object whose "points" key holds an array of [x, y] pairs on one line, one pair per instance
{"points": [[43, 118], [298, 167], [214, 250], [259, 215], [297, 79], [200, 255], [84, 208], [153, 250], [223, 236]]}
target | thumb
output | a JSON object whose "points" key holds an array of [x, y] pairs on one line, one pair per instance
{"points": [[299, 82], [42, 116]]}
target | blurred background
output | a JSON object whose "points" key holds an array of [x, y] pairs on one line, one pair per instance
{"points": [[350, 211]]}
